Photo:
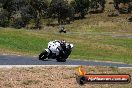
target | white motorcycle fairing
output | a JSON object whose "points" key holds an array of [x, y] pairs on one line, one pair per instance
{"points": [[53, 47]]}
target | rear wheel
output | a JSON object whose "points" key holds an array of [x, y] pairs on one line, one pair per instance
{"points": [[43, 55], [61, 60]]}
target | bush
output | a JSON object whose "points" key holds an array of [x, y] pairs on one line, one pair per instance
{"points": [[18, 23]]}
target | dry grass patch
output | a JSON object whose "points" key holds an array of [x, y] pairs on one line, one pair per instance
{"points": [[57, 77]]}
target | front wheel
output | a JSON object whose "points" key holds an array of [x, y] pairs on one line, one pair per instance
{"points": [[43, 55]]}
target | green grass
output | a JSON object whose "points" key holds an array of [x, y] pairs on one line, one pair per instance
{"points": [[20, 41], [93, 46]]}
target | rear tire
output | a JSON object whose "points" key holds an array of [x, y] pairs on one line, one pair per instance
{"points": [[61, 60], [43, 55]]}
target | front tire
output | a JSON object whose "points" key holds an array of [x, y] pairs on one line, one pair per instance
{"points": [[43, 55]]}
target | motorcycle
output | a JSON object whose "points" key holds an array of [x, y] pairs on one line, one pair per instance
{"points": [[59, 50]]}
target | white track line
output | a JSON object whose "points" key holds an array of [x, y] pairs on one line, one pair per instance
{"points": [[47, 66], [28, 66], [125, 67], [5, 54]]}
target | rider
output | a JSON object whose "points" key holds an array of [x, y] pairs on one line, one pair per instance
{"points": [[62, 46]]}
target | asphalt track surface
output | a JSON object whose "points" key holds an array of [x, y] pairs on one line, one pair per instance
{"points": [[25, 60]]}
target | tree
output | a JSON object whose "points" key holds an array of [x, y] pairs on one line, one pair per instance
{"points": [[20, 12], [40, 6], [81, 7], [4, 22], [60, 9]]}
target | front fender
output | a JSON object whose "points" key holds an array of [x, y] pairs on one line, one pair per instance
{"points": [[47, 50], [71, 45]]}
